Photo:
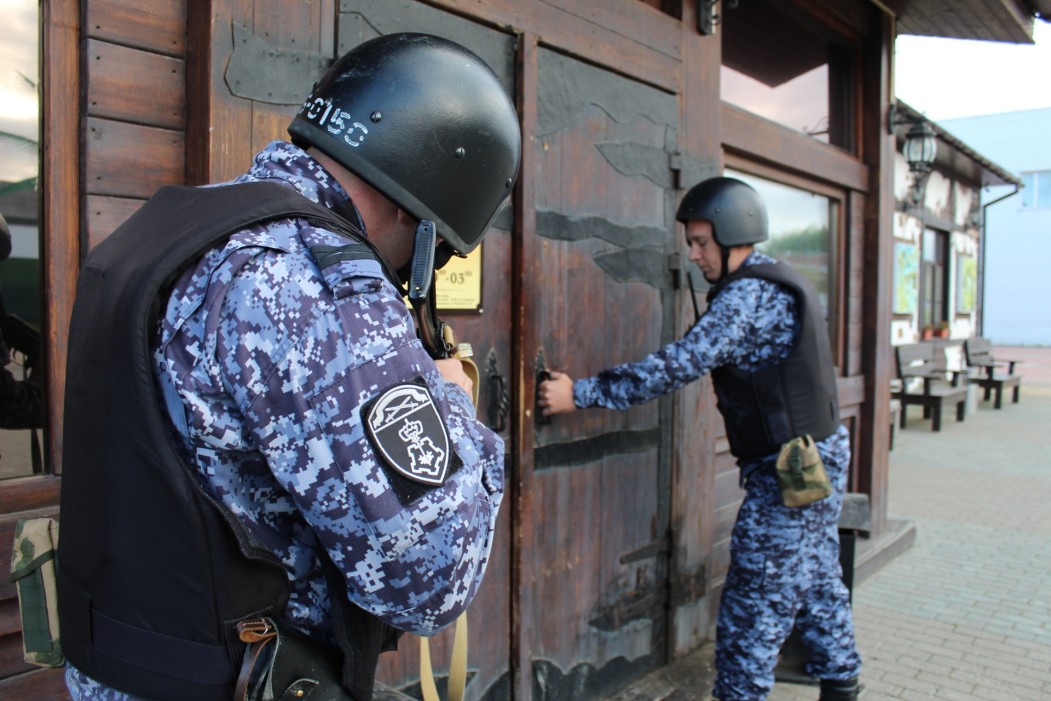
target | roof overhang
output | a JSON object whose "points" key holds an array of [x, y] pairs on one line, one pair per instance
{"points": [[954, 156], [985, 20]]}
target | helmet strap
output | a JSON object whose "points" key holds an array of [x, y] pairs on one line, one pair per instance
{"points": [[724, 252]]}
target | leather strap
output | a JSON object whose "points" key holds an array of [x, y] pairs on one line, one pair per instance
{"points": [[258, 633]]}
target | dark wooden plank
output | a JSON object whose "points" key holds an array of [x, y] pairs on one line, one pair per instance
{"points": [[649, 26], [199, 76], [560, 29], [525, 266], [104, 214], [60, 198], [153, 25], [12, 657], [751, 135], [219, 125], [38, 685], [137, 86], [697, 425], [10, 619], [877, 205], [129, 160], [29, 493]]}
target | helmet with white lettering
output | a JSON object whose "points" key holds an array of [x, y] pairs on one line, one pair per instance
{"points": [[736, 211], [425, 122]]}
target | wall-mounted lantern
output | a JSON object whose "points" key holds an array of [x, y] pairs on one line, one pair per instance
{"points": [[920, 150]]}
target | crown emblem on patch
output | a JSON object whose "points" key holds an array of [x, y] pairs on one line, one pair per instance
{"points": [[408, 433]]}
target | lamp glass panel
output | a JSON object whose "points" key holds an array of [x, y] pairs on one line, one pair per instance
{"points": [[921, 147]]}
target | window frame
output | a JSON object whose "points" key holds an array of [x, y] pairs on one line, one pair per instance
{"points": [[1036, 189], [934, 278], [843, 57], [838, 200]]}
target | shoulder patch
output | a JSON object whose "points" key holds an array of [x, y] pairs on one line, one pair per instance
{"points": [[408, 433]]}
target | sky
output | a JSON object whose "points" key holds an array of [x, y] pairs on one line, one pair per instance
{"points": [[950, 78]]}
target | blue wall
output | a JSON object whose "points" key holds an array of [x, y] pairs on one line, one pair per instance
{"points": [[1018, 240]]}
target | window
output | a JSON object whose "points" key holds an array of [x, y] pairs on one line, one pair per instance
{"points": [[668, 7], [20, 298], [781, 65], [934, 280], [802, 232], [1036, 189]]}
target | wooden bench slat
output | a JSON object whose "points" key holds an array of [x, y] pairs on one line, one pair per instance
{"points": [[918, 361]]}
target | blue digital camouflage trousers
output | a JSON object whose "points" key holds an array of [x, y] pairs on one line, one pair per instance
{"points": [[784, 571]]}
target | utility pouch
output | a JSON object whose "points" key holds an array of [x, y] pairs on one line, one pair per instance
{"points": [[33, 573], [283, 665], [801, 474]]}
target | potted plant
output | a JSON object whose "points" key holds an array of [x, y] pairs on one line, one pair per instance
{"points": [[927, 333], [942, 330]]}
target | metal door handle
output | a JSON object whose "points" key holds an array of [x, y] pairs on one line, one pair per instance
{"points": [[497, 401]]}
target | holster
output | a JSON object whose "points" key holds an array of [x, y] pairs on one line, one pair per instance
{"points": [[284, 665]]}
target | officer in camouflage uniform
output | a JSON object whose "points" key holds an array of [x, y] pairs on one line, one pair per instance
{"points": [[756, 333], [291, 369]]}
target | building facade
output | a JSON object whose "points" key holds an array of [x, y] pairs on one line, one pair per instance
{"points": [[939, 241]]}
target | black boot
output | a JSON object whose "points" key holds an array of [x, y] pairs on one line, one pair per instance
{"points": [[839, 690]]}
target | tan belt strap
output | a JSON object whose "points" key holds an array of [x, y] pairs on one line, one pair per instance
{"points": [[457, 665]]}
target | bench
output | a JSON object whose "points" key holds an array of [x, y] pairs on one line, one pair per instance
{"points": [[921, 361], [979, 354]]}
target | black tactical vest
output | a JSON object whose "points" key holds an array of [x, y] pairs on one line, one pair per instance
{"points": [[765, 409], [153, 573]]}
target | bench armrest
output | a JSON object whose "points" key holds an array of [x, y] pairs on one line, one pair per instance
{"points": [[1010, 362]]}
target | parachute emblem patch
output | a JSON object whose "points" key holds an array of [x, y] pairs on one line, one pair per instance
{"points": [[408, 433]]}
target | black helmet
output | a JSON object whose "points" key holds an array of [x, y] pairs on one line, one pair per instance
{"points": [[735, 209], [424, 121]]}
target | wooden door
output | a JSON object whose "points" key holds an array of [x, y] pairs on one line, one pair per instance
{"points": [[475, 300], [604, 211]]}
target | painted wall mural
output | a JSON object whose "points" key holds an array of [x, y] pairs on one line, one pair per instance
{"points": [[906, 277]]}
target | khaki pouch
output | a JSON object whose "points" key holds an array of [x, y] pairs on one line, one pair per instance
{"points": [[801, 474], [33, 572]]}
